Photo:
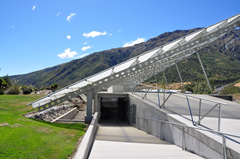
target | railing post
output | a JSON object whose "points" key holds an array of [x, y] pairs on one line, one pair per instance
{"points": [[164, 98], [219, 118], [224, 147], [199, 115], [189, 107], [183, 139]]}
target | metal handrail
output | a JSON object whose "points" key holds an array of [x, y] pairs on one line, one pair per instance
{"points": [[185, 94], [194, 127], [189, 107], [183, 131]]}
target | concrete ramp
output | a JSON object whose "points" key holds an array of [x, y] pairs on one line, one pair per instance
{"points": [[129, 142]]}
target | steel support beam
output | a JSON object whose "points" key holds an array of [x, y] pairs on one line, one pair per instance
{"points": [[204, 73], [165, 79], [159, 104], [180, 78]]}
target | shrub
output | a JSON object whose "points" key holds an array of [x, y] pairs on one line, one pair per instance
{"points": [[8, 80], [3, 84], [54, 87], [13, 90], [231, 89], [27, 90], [1, 91]]}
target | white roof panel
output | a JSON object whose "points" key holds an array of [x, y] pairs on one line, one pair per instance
{"points": [[146, 56], [170, 45], [123, 66], [233, 18]]}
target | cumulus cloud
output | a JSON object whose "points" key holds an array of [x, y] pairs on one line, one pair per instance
{"points": [[131, 43], [110, 34], [119, 31], [94, 34], [85, 43], [85, 48], [67, 54], [70, 16], [69, 37], [59, 13]]}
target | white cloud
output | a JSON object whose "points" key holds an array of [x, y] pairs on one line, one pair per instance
{"points": [[70, 16], [119, 31], [131, 43], [110, 34], [85, 48], [67, 54], [59, 13], [69, 37], [12, 26], [85, 43], [94, 34], [34, 6], [81, 56]]}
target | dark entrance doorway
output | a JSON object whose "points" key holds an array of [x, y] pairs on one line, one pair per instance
{"points": [[113, 110]]}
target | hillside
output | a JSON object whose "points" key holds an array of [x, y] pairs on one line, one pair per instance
{"points": [[221, 61]]}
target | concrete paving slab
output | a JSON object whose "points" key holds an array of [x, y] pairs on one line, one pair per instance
{"points": [[129, 142], [126, 134], [113, 149]]}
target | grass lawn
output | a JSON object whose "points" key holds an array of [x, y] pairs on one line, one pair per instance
{"points": [[21, 137]]}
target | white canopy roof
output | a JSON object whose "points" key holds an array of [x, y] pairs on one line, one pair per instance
{"points": [[135, 70]]}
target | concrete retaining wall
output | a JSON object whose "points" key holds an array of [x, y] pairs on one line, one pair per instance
{"points": [[196, 141], [87, 141], [69, 115]]}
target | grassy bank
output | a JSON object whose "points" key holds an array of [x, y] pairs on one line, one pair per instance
{"points": [[21, 137]]}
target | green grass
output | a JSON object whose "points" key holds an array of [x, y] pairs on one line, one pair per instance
{"points": [[27, 138]]}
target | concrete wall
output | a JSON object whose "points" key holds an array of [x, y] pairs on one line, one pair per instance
{"points": [[69, 115], [87, 141], [196, 141]]}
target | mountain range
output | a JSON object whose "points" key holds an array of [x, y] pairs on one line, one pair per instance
{"points": [[221, 61]]}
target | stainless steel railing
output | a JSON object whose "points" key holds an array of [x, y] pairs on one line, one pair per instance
{"points": [[146, 120], [201, 116]]}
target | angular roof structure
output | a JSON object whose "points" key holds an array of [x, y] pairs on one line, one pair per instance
{"points": [[137, 69]]}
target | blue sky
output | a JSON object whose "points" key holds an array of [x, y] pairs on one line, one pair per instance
{"points": [[36, 34]]}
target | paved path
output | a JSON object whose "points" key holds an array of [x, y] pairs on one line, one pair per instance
{"points": [[129, 142]]}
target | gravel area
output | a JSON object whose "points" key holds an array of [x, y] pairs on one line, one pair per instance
{"points": [[56, 111]]}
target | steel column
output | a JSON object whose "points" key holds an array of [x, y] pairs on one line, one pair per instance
{"points": [[204, 73], [88, 118], [165, 79], [157, 92], [180, 77]]}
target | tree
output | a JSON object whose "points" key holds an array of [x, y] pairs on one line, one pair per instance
{"points": [[54, 87], [8, 80], [3, 84]]}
